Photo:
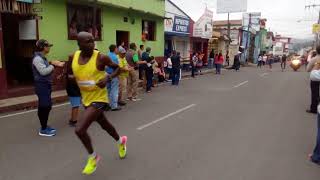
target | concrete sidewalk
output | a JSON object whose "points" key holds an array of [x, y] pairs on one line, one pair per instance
{"points": [[31, 101]]}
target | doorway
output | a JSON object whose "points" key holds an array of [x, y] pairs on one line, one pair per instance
{"points": [[122, 36], [17, 53]]}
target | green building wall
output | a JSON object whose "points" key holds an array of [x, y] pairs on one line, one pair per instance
{"points": [[54, 28], [152, 6]]}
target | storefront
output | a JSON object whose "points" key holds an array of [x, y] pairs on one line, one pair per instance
{"points": [[202, 32], [177, 30], [18, 34], [58, 21]]}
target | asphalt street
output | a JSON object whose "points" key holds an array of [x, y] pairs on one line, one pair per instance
{"points": [[247, 125]]}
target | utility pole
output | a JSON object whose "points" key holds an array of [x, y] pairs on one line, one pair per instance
{"points": [[94, 23], [315, 6], [248, 32], [229, 38]]}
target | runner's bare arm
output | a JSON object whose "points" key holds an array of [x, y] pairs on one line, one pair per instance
{"points": [[69, 68], [108, 62], [103, 62]]}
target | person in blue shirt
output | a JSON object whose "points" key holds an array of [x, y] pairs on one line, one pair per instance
{"points": [[113, 85]]}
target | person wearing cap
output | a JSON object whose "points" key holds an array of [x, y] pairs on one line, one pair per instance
{"points": [[42, 72], [123, 77], [113, 85]]}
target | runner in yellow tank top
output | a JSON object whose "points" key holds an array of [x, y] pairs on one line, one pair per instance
{"points": [[88, 69]]}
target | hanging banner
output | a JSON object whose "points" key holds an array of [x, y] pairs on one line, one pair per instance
{"points": [[231, 6], [315, 28], [253, 19]]}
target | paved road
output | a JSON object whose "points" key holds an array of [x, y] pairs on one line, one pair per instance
{"points": [[249, 125]]}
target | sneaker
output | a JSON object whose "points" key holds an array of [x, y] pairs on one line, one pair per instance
{"points": [[72, 123], [123, 147], [116, 109], [91, 166], [135, 99], [121, 103], [46, 133], [51, 129]]}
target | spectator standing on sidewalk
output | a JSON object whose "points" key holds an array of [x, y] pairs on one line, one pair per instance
{"points": [[141, 66], [236, 63], [74, 95], [42, 74], [314, 84], [270, 61], [260, 60], [169, 66], [193, 64], [315, 77], [149, 68], [123, 77], [113, 85], [176, 66], [227, 60], [133, 62], [211, 59], [200, 63], [264, 59], [218, 63]]}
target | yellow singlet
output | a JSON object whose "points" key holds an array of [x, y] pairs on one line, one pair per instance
{"points": [[87, 76]]}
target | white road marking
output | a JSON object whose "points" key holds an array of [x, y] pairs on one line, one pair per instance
{"points": [[264, 74], [30, 111], [241, 84], [165, 117]]}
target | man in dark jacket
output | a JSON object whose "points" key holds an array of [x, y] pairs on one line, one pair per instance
{"points": [[148, 68], [175, 59]]}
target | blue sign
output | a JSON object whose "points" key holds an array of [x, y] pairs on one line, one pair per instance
{"points": [[25, 1], [181, 25]]}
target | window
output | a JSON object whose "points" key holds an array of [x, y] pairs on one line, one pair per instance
{"points": [[148, 30], [81, 18]]}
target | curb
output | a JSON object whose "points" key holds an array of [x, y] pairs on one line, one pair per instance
{"points": [[30, 105], [60, 99]]}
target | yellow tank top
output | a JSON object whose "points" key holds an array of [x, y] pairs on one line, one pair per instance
{"points": [[87, 76]]}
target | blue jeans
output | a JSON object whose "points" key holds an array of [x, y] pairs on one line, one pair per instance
{"points": [[175, 76], [218, 68], [113, 92], [210, 63], [316, 153]]}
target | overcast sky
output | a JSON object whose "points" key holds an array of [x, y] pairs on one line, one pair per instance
{"points": [[285, 17]]}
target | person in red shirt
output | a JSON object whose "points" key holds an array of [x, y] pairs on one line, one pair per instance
{"points": [[219, 62]]}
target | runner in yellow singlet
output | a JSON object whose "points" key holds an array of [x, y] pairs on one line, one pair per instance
{"points": [[88, 69]]}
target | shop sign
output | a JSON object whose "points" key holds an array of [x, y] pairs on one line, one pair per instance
{"points": [[203, 27], [25, 1], [177, 24], [181, 25]]}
